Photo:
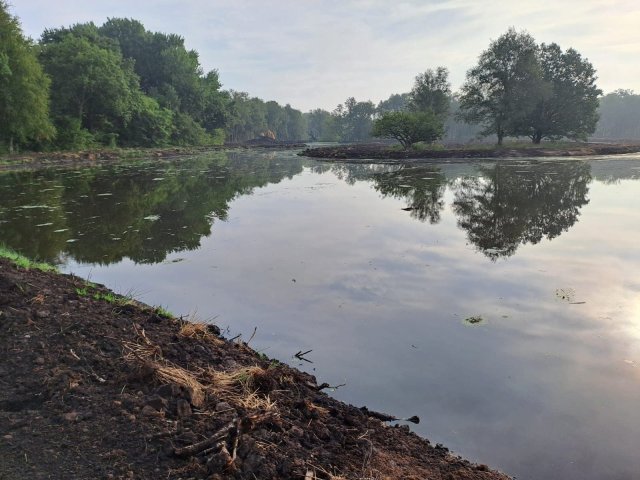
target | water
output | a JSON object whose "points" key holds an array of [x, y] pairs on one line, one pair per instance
{"points": [[503, 307]]}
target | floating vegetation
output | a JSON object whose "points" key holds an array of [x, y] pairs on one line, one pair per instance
{"points": [[565, 294], [474, 320]]}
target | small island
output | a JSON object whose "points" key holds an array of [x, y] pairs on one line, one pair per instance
{"points": [[376, 153]]}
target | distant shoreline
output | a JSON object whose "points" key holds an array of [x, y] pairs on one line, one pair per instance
{"points": [[374, 153], [36, 160]]}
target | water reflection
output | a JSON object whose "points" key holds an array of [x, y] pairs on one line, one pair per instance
{"points": [[421, 187], [143, 212], [510, 206]]}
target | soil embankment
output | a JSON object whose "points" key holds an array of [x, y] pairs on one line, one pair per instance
{"points": [[97, 386], [376, 152]]}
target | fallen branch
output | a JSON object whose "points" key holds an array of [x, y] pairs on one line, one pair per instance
{"points": [[389, 418], [198, 447]]}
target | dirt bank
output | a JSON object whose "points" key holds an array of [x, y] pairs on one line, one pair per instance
{"points": [[383, 152], [97, 386]]}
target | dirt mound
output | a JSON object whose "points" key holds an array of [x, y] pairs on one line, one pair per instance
{"points": [[99, 386]]}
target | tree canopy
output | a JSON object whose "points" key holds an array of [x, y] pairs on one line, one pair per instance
{"points": [[409, 127], [519, 88], [24, 88]]}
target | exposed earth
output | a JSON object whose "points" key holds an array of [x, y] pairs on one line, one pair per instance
{"points": [[97, 386], [373, 153]]}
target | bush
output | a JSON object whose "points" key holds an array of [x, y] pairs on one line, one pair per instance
{"points": [[409, 127]]}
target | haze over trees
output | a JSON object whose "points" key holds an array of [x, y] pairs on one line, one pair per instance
{"points": [[619, 116]]}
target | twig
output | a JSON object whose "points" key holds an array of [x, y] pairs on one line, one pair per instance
{"points": [[198, 447], [300, 355], [252, 335]]}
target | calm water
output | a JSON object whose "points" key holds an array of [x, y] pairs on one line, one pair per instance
{"points": [[503, 308]]}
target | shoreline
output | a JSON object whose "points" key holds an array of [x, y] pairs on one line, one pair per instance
{"points": [[108, 387], [376, 153], [75, 159]]}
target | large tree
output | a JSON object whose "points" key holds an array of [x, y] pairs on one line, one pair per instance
{"points": [[519, 88], [501, 90], [24, 88], [431, 91], [567, 100], [93, 87]]}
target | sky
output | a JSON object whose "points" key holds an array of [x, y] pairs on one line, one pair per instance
{"points": [[316, 53]]}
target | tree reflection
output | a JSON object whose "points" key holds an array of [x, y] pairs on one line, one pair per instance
{"points": [[512, 205], [143, 212], [422, 187]]}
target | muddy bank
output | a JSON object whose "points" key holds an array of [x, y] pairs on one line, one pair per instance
{"points": [[383, 152], [99, 386]]}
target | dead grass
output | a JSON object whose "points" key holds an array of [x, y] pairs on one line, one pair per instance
{"points": [[194, 329], [237, 387]]}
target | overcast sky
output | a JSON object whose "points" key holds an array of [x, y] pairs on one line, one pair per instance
{"points": [[313, 53]]}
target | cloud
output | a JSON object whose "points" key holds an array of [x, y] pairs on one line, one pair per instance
{"points": [[316, 53]]}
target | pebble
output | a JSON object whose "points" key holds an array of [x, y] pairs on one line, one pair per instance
{"points": [[42, 314], [40, 360], [223, 406]]}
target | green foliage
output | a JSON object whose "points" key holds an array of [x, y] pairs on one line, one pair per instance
{"points": [[164, 313], [24, 89], [90, 83], [24, 262], [498, 91], [519, 88], [431, 92], [409, 127], [395, 103]]}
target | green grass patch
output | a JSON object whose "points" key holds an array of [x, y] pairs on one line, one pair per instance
{"points": [[24, 262], [164, 313]]}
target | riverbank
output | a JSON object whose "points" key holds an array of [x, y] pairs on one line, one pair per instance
{"points": [[97, 385], [36, 160], [375, 152]]}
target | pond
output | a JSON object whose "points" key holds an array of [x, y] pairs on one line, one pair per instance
{"points": [[498, 301]]}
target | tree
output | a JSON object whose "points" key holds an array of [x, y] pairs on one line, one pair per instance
{"points": [[567, 100], [395, 103], [408, 127], [619, 113], [355, 120], [91, 84], [501, 91], [24, 88], [431, 91]]}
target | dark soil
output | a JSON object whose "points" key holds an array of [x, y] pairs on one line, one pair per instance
{"points": [[92, 388], [376, 152]]}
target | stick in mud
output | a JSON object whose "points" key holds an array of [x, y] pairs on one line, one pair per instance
{"points": [[196, 448]]}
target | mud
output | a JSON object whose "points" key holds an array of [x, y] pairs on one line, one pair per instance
{"points": [[96, 386]]}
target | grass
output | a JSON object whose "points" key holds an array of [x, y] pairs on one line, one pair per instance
{"points": [[24, 262], [164, 313]]}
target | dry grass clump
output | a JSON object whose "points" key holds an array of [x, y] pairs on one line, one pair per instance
{"points": [[238, 386], [191, 329]]}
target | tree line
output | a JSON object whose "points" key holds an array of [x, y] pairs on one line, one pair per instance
{"points": [[120, 84]]}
